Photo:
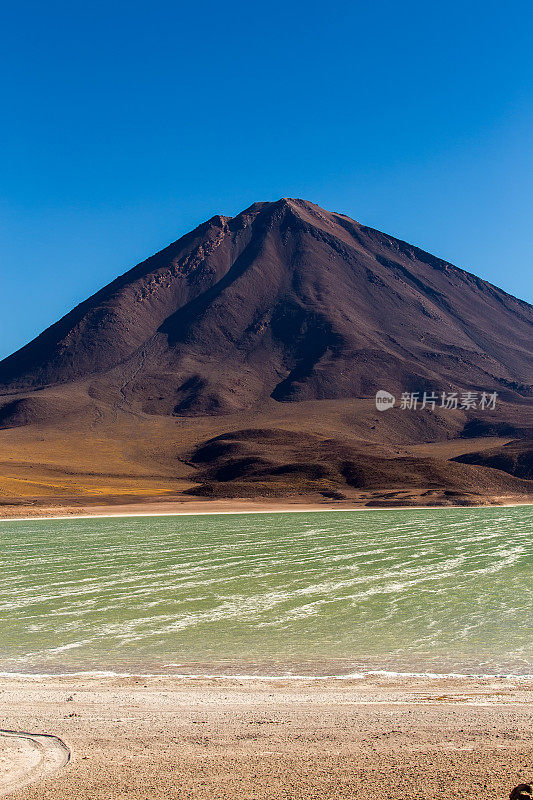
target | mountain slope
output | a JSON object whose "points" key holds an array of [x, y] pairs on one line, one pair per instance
{"points": [[287, 302]]}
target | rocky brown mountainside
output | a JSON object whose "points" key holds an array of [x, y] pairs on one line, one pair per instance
{"points": [[286, 304], [285, 301]]}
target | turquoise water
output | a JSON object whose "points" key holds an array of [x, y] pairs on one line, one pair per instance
{"points": [[443, 590]]}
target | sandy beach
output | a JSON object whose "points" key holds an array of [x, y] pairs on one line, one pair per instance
{"points": [[163, 737]]}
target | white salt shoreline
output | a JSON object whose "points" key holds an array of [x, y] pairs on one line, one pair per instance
{"points": [[303, 510]]}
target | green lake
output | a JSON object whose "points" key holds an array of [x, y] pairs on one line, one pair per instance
{"points": [[440, 590]]}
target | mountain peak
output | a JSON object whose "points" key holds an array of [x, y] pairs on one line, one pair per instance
{"points": [[285, 301]]}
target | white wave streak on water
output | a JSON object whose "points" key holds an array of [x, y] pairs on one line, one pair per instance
{"points": [[129, 584], [134, 631]]}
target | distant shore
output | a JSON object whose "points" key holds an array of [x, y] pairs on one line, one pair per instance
{"points": [[229, 506], [231, 739]]}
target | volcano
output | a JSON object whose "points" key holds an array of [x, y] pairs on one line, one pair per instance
{"points": [[286, 301], [284, 305]]}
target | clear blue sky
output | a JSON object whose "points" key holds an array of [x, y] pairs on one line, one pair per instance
{"points": [[125, 124]]}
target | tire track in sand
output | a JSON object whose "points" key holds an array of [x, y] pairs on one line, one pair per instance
{"points": [[26, 758]]}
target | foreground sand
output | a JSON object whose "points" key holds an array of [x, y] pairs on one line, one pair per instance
{"points": [[208, 739]]}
